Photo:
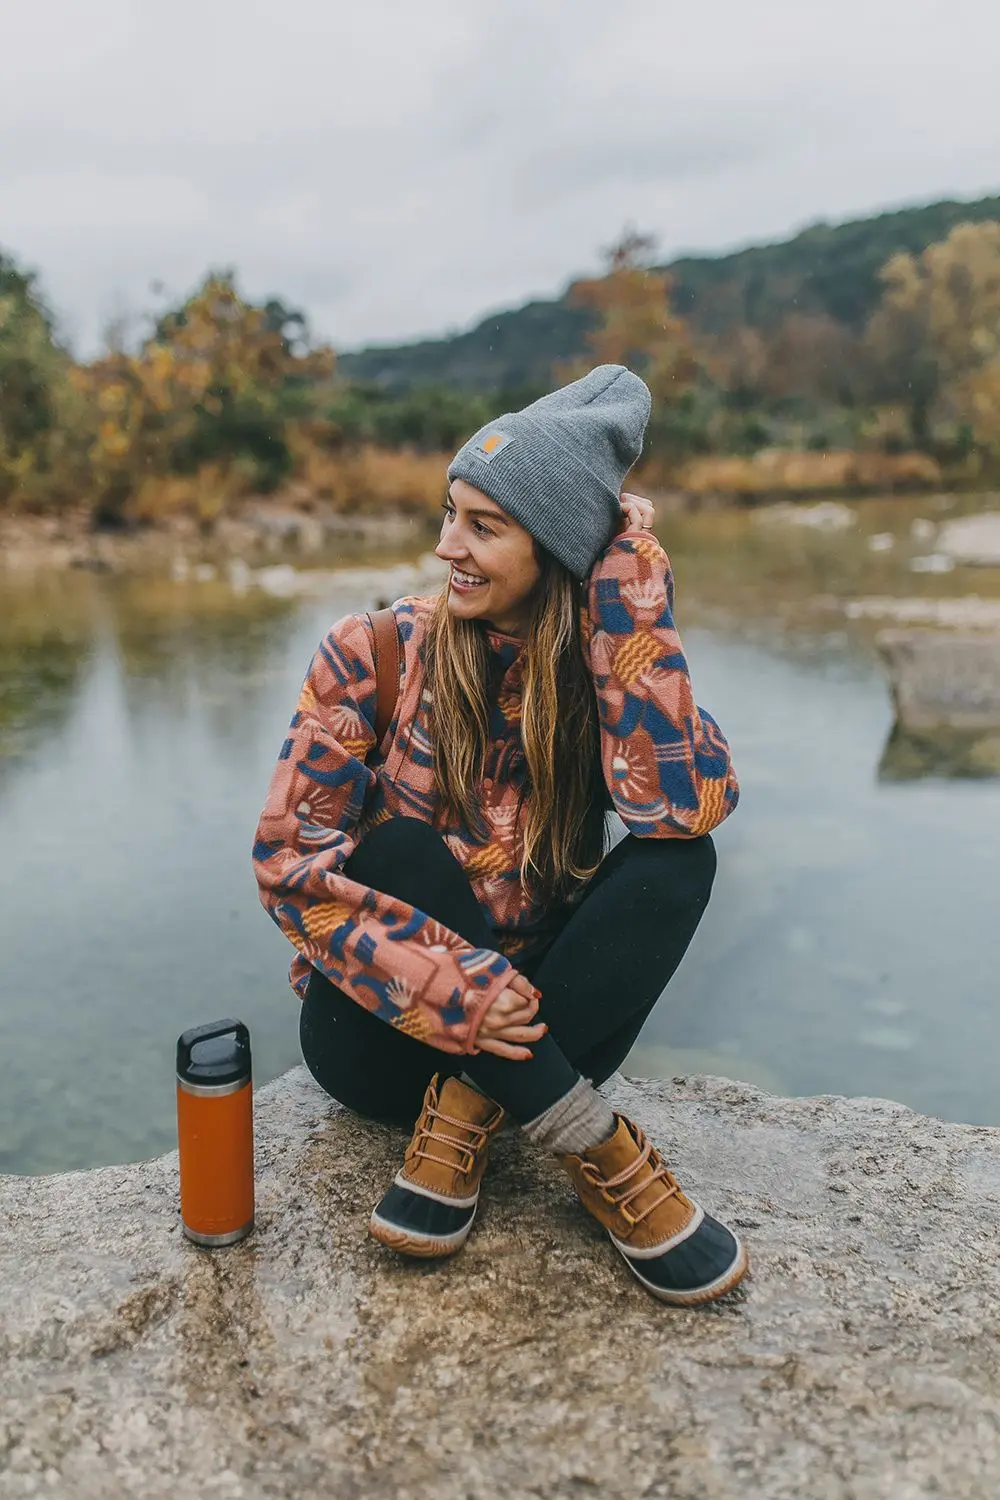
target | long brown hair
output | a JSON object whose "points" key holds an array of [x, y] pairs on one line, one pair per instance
{"points": [[565, 798]]}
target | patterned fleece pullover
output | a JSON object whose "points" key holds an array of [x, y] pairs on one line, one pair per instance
{"points": [[666, 765]]}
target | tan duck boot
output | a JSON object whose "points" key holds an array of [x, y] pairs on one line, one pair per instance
{"points": [[679, 1253], [429, 1208]]}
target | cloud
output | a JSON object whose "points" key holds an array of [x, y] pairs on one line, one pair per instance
{"points": [[399, 169]]}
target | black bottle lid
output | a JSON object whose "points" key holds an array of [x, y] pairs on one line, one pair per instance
{"points": [[214, 1054]]}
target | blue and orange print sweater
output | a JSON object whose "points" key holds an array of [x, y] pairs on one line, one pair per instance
{"points": [[666, 764]]}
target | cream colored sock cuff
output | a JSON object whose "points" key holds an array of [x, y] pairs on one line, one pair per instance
{"points": [[577, 1121]]}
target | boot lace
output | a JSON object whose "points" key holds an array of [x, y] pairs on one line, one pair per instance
{"points": [[468, 1150], [647, 1169]]}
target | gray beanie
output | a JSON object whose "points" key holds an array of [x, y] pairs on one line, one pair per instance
{"points": [[558, 465]]}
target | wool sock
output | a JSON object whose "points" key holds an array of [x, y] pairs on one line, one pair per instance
{"points": [[577, 1121]]}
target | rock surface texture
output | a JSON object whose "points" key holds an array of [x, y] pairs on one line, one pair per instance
{"points": [[943, 679], [860, 1359]]}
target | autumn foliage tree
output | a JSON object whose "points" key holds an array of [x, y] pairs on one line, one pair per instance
{"points": [[635, 326], [207, 398], [934, 340], [42, 456]]}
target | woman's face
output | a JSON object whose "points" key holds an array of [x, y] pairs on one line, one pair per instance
{"points": [[494, 570]]}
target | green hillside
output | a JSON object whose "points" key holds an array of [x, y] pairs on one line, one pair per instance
{"points": [[827, 268], [511, 351]]}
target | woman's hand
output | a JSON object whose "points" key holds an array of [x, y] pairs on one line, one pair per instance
{"points": [[506, 1029], [637, 512]]}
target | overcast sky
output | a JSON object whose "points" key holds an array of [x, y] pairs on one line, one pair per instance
{"points": [[402, 168]]}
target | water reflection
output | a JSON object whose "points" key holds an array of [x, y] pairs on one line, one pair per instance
{"points": [[45, 635], [911, 755], [123, 890]]}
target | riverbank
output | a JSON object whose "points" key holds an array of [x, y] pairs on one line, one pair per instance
{"points": [[859, 1359], [298, 528], [254, 533]]}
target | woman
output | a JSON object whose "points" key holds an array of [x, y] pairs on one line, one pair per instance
{"points": [[466, 949]]}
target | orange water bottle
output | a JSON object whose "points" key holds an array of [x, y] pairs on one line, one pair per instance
{"points": [[215, 1132]]}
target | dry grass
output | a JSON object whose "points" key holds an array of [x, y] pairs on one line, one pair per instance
{"points": [[373, 479], [364, 479], [779, 471]]}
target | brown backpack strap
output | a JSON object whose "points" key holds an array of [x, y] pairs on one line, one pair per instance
{"points": [[383, 623]]}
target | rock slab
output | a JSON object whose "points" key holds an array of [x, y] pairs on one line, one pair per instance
{"points": [[861, 1359], [943, 679]]}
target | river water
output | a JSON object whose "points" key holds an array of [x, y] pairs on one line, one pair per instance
{"points": [[852, 944]]}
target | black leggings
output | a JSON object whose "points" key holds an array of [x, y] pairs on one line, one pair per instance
{"points": [[599, 978]]}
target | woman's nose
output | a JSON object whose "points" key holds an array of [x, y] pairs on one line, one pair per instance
{"points": [[450, 547]]}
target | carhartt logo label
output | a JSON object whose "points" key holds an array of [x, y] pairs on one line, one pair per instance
{"points": [[487, 450]]}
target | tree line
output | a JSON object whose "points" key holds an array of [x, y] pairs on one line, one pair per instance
{"points": [[922, 373], [224, 398]]}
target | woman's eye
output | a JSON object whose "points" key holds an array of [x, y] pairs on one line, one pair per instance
{"points": [[477, 526]]}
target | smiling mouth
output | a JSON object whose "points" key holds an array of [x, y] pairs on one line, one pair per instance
{"points": [[466, 580]]}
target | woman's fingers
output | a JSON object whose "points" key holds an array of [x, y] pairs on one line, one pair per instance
{"points": [[496, 1020], [510, 1002], [506, 1028], [524, 1034], [502, 1049], [509, 1017], [492, 1025], [639, 502], [638, 510], [523, 986]]}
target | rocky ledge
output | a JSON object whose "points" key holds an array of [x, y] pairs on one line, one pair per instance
{"points": [[860, 1359]]}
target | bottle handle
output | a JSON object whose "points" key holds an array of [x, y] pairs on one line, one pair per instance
{"points": [[189, 1039]]}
